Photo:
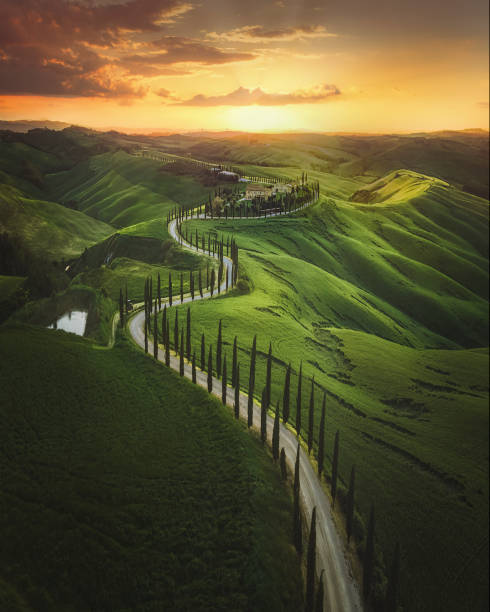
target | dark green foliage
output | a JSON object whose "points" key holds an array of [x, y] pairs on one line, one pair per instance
{"points": [[155, 331], [391, 604], [213, 280], [368, 558], [167, 345], [224, 386], [191, 284], [320, 595], [218, 350], [282, 463], [188, 335], [146, 336], [165, 337], [335, 466], [176, 332], [200, 283], [268, 378], [203, 353], [287, 395], [235, 361], [181, 355], [170, 289], [159, 292], [237, 393], [181, 288], [311, 415], [351, 503], [210, 369], [263, 416], [297, 526], [298, 400], [311, 566], [321, 437], [275, 435], [194, 368], [251, 382]]}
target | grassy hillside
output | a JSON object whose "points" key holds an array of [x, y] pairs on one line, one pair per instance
{"points": [[124, 190], [47, 228], [145, 492], [364, 294]]}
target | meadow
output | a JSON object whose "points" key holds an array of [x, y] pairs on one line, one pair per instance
{"points": [[146, 493], [386, 306]]}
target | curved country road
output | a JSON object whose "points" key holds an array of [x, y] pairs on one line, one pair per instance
{"points": [[341, 590]]}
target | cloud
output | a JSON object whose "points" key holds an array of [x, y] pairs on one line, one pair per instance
{"points": [[83, 48], [255, 33], [250, 97]]}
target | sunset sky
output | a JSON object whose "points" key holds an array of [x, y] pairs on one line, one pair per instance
{"points": [[382, 65]]}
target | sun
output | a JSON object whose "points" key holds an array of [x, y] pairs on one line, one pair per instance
{"points": [[260, 118]]}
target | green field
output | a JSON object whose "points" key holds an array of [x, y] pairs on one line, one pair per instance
{"points": [[126, 487], [380, 290], [384, 303]]}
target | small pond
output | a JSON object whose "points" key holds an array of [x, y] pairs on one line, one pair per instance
{"points": [[73, 322]]}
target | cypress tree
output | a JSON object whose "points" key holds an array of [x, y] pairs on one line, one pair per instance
{"points": [[218, 351], [167, 345], [251, 383], [155, 332], [311, 565], [282, 463], [263, 416], [298, 400], [275, 435], [213, 281], [170, 289], [188, 335], [297, 527], [210, 369], [181, 363], [181, 288], [368, 560], [320, 596], [164, 326], [311, 415], [335, 467], [268, 377], [146, 333], [350, 503], [234, 364], [321, 438], [223, 381], [237, 392], [191, 284], [391, 603], [200, 283], [176, 332], [203, 353], [121, 308], [286, 396], [194, 377], [159, 292]]}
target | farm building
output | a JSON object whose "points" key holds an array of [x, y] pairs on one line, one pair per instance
{"points": [[258, 191]]}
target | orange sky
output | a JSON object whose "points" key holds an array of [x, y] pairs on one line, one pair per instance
{"points": [[280, 65]]}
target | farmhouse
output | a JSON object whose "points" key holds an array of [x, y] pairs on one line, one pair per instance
{"points": [[258, 191]]}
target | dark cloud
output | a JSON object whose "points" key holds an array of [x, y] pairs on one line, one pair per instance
{"points": [[255, 33], [57, 47], [251, 97]]}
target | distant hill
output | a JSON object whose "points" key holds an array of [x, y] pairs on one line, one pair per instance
{"points": [[26, 125]]}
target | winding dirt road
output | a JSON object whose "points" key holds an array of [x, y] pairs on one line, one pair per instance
{"points": [[341, 590]]}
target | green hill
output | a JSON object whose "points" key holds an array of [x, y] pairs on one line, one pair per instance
{"points": [[126, 486], [125, 190], [47, 228], [384, 303]]}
